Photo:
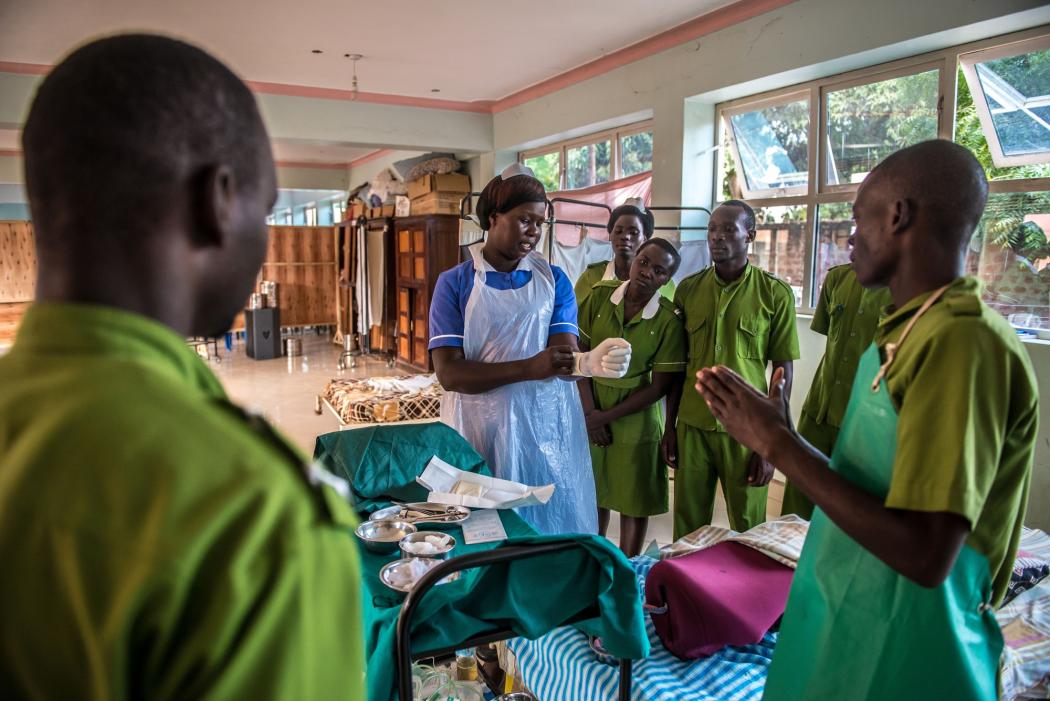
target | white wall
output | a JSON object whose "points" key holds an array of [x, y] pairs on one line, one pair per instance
{"points": [[800, 41]]}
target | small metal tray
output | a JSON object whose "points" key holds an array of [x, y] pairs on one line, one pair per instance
{"points": [[390, 568], [455, 515]]}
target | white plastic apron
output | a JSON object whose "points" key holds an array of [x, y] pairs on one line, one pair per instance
{"points": [[531, 432]]}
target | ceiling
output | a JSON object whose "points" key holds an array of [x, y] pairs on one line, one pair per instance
{"points": [[466, 49], [292, 150]]}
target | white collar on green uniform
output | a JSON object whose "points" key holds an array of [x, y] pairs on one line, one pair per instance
{"points": [[651, 307], [610, 271]]}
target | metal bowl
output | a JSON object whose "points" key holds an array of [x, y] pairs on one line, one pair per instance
{"points": [[517, 696], [382, 537], [420, 536], [389, 571]]}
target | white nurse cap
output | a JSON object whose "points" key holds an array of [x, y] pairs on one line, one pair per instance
{"points": [[516, 169], [636, 202]]}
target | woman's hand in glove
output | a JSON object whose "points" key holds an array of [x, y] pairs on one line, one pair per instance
{"points": [[610, 359]]}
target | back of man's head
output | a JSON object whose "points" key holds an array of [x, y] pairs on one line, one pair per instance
{"points": [[944, 184], [121, 121], [122, 143]]}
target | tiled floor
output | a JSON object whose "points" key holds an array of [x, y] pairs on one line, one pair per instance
{"points": [[285, 391]]}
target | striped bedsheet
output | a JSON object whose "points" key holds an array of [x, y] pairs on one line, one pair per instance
{"points": [[560, 666]]}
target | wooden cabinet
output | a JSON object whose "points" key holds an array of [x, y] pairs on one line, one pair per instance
{"points": [[425, 246]]}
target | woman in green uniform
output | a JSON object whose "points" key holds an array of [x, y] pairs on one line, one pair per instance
{"points": [[624, 417], [630, 225]]}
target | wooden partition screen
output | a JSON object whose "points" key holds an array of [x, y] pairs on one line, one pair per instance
{"points": [[304, 262], [17, 275]]}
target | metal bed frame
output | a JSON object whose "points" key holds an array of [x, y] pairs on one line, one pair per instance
{"points": [[403, 638]]}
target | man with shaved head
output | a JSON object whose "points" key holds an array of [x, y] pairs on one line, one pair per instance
{"points": [[919, 509], [157, 541]]}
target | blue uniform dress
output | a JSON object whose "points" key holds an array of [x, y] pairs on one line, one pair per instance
{"points": [[533, 431]]}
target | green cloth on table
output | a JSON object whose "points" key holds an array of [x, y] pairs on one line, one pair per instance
{"points": [[530, 596], [382, 462]]}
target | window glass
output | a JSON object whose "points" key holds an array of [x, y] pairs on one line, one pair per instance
{"points": [[834, 226], [311, 215], [780, 244], [969, 133], [1010, 254], [636, 153], [588, 165], [1015, 92], [773, 146], [546, 168], [868, 122]]}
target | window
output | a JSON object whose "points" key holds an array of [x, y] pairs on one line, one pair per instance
{"points": [[771, 144], [834, 227], [310, 214], [547, 168], [867, 122], [1010, 253], [1010, 87], [587, 165], [780, 244], [592, 160], [636, 153], [991, 96]]}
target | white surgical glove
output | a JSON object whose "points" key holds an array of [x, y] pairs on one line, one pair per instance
{"points": [[609, 360]]}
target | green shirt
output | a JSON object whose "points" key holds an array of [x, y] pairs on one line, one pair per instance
{"points": [[847, 314], [744, 325], [605, 270], [968, 409], [155, 542], [656, 334]]}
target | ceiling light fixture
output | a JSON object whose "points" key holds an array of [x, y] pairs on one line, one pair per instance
{"points": [[353, 84], [435, 90], [316, 51]]}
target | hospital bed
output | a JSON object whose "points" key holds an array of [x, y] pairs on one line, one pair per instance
{"points": [[561, 665]]}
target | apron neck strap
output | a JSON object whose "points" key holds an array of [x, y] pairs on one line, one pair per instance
{"points": [[892, 348]]}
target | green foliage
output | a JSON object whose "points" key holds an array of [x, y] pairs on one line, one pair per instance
{"points": [[588, 165], [546, 169], [636, 153]]}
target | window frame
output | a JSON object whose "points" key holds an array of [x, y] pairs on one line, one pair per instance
{"points": [[782, 98], [868, 79], [948, 61], [612, 135], [968, 62]]}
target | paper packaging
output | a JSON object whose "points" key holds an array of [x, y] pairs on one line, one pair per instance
{"points": [[450, 485]]}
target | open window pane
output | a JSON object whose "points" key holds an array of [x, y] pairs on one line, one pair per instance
{"points": [[636, 153], [1012, 96], [588, 165], [866, 123], [1010, 254], [772, 147], [780, 244], [834, 226], [546, 168]]}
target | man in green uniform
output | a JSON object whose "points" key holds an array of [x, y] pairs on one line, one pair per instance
{"points": [[157, 542], [921, 506], [744, 318], [624, 416], [630, 225], [847, 314]]}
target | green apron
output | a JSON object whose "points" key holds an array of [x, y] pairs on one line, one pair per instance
{"points": [[855, 628]]}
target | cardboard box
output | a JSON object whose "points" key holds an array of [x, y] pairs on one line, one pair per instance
{"points": [[437, 203], [357, 209], [450, 182]]}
